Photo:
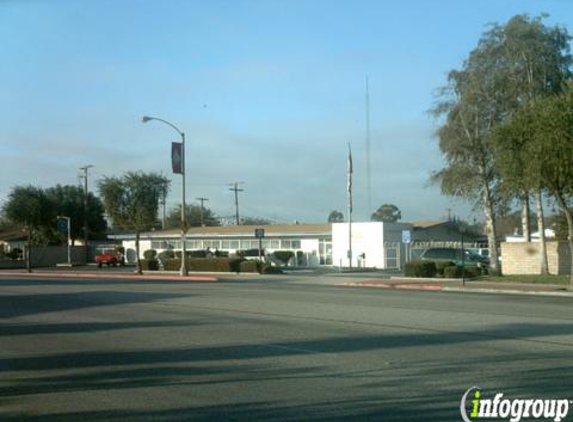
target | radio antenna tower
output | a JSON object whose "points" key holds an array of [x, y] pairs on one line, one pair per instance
{"points": [[368, 173]]}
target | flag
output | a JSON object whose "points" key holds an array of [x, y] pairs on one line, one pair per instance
{"points": [[177, 157], [349, 178]]}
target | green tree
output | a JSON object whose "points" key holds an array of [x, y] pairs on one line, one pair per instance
{"points": [[388, 213], [545, 131], [193, 217], [513, 64], [534, 62], [69, 201], [132, 202], [550, 153], [335, 217], [29, 208]]}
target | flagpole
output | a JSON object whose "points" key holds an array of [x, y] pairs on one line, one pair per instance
{"points": [[349, 207]]}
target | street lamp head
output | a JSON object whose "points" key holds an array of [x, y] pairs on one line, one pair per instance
{"points": [[146, 119]]}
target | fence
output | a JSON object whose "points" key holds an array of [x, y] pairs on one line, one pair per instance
{"points": [[415, 249]]}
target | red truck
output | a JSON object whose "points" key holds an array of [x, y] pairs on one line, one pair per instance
{"points": [[110, 256]]}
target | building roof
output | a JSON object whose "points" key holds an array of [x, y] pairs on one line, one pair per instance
{"points": [[295, 230], [424, 224], [13, 235]]}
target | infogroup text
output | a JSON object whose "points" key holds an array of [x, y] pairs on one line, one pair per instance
{"points": [[513, 410]]}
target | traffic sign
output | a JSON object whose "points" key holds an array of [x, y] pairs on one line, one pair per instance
{"points": [[260, 233], [406, 236]]}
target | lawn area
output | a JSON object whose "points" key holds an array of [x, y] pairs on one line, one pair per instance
{"points": [[535, 279]]}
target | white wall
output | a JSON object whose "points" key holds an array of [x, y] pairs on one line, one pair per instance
{"points": [[129, 245], [367, 238]]}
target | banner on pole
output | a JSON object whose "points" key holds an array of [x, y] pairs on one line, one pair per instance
{"points": [[177, 157], [62, 225]]}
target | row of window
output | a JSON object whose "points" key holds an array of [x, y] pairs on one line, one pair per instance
{"points": [[227, 244]]}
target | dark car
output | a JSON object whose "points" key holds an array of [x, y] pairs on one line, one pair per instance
{"points": [[454, 255]]}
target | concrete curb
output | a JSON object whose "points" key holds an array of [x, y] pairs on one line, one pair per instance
{"points": [[509, 292], [439, 287], [398, 286], [94, 275]]}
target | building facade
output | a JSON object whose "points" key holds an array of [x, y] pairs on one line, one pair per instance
{"points": [[374, 244]]}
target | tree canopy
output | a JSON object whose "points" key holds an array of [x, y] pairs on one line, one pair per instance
{"points": [[513, 65], [68, 201], [193, 216], [29, 208], [335, 216], [388, 213], [132, 201]]}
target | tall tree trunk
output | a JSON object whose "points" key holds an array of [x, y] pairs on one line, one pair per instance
{"points": [[525, 217], [137, 253], [29, 252], [541, 229], [569, 217], [491, 231]]}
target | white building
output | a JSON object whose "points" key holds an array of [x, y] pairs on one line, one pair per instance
{"points": [[374, 244]]}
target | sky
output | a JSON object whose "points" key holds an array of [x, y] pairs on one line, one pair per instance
{"points": [[268, 93]]}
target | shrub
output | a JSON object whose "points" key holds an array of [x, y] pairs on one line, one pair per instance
{"points": [[441, 266], [150, 254], [420, 269], [149, 265], [15, 253], [456, 272], [453, 272], [165, 255], [283, 256], [235, 265]]}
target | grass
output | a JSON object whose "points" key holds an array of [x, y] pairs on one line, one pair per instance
{"points": [[562, 280]]}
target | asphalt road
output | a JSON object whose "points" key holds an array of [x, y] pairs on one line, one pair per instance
{"points": [[98, 350]]}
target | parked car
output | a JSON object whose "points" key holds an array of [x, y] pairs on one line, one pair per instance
{"points": [[110, 256], [454, 255]]}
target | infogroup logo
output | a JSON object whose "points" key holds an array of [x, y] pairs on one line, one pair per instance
{"points": [[511, 409]]}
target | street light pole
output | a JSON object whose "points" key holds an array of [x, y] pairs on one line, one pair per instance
{"points": [[145, 119]]}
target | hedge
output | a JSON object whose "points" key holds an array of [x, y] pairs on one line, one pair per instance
{"points": [[234, 265], [150, 254], [456, 272], [149, 265], [420, 269], [441, 267]]}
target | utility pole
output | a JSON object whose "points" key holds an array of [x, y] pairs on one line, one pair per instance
{"points": [[85, 176], [163, 205], [236, 190], [202, 209]]}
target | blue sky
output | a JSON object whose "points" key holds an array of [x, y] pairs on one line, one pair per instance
{"points": [[267, 92]]}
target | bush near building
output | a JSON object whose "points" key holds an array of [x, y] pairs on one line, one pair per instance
{"points": [[420, 269], [456, 272], [232, 265], [440, 269]]}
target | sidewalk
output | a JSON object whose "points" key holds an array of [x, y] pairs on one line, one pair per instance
{"points": [[103, 274], [457, 285]]}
